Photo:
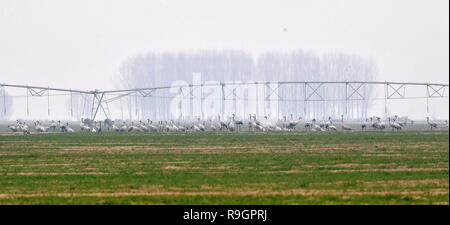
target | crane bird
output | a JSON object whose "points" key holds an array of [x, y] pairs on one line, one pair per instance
{"points": [[142, 126], [114, 127], [364, 125], [124, 127], [260, 128], [238, 123], [53, 125], [13, 128], [25, 130], [181, 128], [196, 128], [394, 125], [39, 128], [66, 128], [222, 124], [22, 126], [255, 120], [133, 128], [289, 125], [308, 124], [83, 125], [344, 127], [378, 125], [231, 126], [322, 124], [330, 125], [174, 127], [251, 124], [151, 126], [399, 122], [432, 124], [292, 123], [272, 127], [316, 127], [98, 128], [200, 125], [213, 128]]}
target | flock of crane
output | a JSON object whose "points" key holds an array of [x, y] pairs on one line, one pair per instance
{"points": [[232, 125]]}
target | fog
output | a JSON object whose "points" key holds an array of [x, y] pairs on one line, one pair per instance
{"points": [[243, 97], [84, 44]]}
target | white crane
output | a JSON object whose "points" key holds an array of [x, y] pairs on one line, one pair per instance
{"points": [[133, 128], [173, 126], [66, 128], [260, 128], [394, 125], [432, 124], [272, 127], [114, 127], [231, 126], [398, 120], [169, 127], [39, 128], [151, 126], [308, 124], [196, 128], [83, 125], [222, 124], [238, 123], [25, 130], [13, 128], [124, 127], [315, 126], [22, 126], [276, 128], [98, 128], [377, 125], [330, 125], [53, 125], [364, 125], [322, 124], [201, 125], [256, 121], [213, 128], [143, 127], [290, 125]]}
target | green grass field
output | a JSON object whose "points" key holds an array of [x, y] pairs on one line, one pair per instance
{"points": [[410, 167]]}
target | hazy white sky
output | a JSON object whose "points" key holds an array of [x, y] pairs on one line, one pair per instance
{"points": [[69, 43], [80, 44]]}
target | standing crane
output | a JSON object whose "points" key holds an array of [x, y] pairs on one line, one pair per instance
{"points": [[394, 125], [432, 124]]}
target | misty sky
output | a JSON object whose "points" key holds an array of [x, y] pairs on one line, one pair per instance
{"points": [[80, 44]]}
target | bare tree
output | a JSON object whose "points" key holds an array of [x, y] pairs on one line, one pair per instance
{"points": [[5, 105], [162, 69]]}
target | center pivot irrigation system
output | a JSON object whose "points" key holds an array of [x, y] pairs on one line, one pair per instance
{"points": [[310, 92]]}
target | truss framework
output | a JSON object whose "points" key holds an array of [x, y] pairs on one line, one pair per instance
{"points": [[311, 92]]}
